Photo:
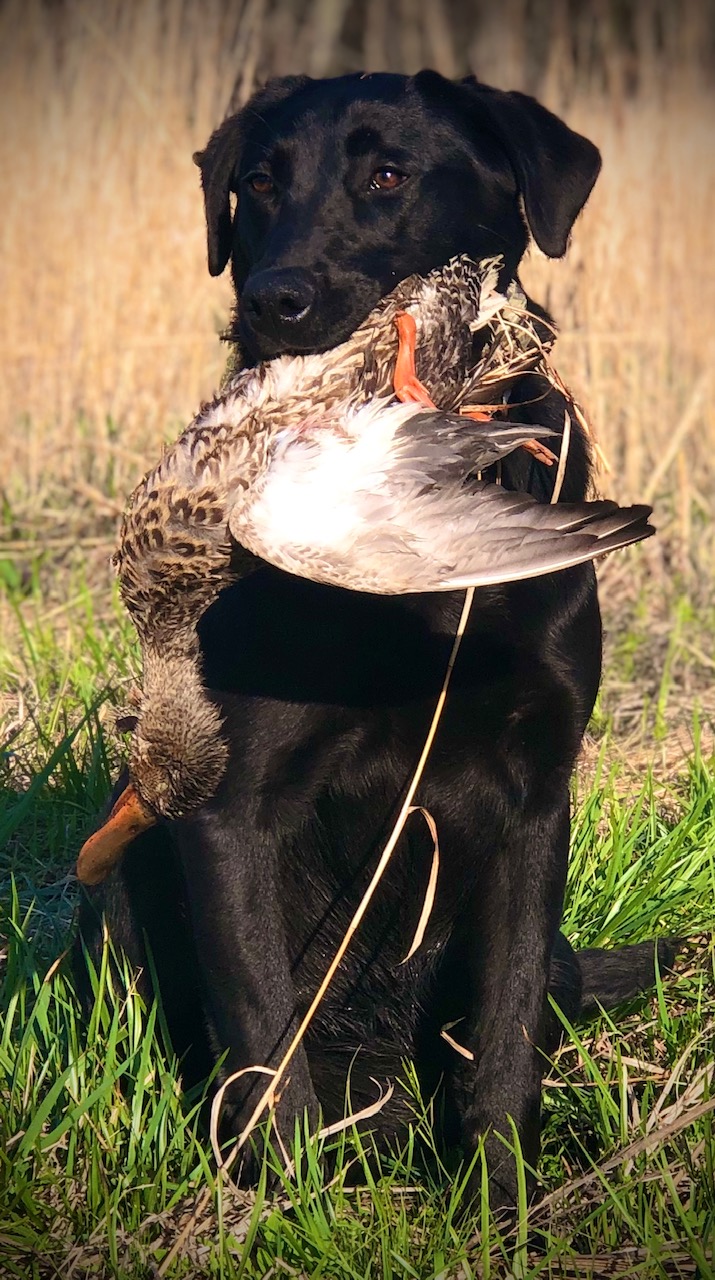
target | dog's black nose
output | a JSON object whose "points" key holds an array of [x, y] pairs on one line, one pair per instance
{"points": [[274, 303]]}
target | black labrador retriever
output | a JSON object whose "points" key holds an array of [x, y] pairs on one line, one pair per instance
{"points": [[323, 194]]}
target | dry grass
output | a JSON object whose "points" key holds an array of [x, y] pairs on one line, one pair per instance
{"points": [[108, 315], [109, 320]]}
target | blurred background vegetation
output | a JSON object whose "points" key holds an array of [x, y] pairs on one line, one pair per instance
{"points": [[109, 321]]}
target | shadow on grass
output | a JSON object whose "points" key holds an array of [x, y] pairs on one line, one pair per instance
{"points": [[44, 817]]}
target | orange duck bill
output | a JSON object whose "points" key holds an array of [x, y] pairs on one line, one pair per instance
{"points": [[102, 851]]}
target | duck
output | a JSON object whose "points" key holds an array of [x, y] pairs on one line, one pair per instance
{"points": [[362, 467]]}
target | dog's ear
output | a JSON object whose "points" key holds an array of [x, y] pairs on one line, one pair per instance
{"points": [[219, 163], [555, 168], [220, 160]]}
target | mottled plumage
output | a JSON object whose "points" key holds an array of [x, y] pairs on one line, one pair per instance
{"points": [[310, 462], [175, 552]]}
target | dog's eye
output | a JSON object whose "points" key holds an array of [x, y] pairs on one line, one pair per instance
{"points": [[261, 183], [387, 179]]}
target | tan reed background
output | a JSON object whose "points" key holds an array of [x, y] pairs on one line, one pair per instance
{"points": [[108, 318]]}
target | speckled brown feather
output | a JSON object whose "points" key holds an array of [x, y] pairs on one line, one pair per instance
{"points": [[175, 552]]}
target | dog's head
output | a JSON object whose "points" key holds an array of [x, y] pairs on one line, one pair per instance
{"points": [[325, 193]]}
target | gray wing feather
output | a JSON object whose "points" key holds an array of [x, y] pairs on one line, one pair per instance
{"points": [[422, 522], [513, 537], [481, 534], [448, 446]]}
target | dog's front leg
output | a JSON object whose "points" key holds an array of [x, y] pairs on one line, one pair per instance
{"points": [[518, 909], [241, 943]]}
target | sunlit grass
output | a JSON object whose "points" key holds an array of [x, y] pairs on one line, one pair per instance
{"points": [[105, 1168], [649, 872]]}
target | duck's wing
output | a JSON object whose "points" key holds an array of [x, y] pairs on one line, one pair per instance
{"points": [[393, 505], [477, 538], [511, 537], [448, 447], [479, 533]]}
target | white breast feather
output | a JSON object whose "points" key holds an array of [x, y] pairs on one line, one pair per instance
{"points": [[322, 486]]}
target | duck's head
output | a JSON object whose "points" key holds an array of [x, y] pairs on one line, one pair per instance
{"points": [[177, 758], [178, 754], [460, 293]]}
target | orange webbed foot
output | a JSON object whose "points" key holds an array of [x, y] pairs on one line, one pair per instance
{"points": [[408, 387], [534, 447], [540, 452], [484, 414]]}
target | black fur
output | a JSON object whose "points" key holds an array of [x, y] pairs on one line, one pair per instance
{"points": [[328, 695]]}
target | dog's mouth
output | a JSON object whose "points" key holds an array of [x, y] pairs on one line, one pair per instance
{"points": [[257, 347], [264, 326]]}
